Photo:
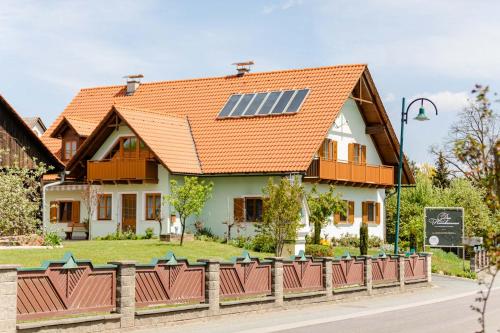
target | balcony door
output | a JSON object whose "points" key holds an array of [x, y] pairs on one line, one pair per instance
{"points": [[129, 212]]}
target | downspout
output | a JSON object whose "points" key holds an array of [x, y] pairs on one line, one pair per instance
{"points": [[44, 190]]}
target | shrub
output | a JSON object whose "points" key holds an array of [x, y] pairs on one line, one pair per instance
{"points": [[346, 240], [149, 233], [317, 250], [52, 239], [363, 239], [263, 243], [413, 240], [239, 241], [204, 231], [374, 241]]}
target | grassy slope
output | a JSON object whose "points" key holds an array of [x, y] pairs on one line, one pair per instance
{"points": [[101, 252], [449, 264]]}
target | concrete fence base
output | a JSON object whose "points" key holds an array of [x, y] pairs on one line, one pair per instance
{"points": [[128, 317]]}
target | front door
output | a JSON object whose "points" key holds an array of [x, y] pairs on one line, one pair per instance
{"points": [[129, 210]]}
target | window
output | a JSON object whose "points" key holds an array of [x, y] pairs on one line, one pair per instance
{"points": [[153, 206], [371, 212], [69, 149], [104, 205], [328, 150], [65, 211], [357, 153], [253, 208], [348, 215]]}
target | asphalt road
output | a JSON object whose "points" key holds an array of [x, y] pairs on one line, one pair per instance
{"points": [[443, 308]]}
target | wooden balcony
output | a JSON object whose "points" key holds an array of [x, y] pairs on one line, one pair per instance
{"points": [[349, 173], [123, 171]]}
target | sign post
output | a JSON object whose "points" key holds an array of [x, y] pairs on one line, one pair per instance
{"points": [[444, 227]]}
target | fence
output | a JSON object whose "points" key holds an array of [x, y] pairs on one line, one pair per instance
{"points": [[124, 295], [479, 260]]}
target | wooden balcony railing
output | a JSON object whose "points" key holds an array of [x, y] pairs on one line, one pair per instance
{"points": [[351, 172], [122, 170]]}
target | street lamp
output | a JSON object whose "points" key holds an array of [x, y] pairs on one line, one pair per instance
{"points": [[404, 120]]}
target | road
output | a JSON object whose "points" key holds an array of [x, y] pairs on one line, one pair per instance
{"points": [[442, 308]]}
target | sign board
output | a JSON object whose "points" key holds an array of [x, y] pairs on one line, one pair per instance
{"points": [[444, 226]]}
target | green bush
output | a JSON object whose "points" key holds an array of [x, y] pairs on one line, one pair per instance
{"points": [[239, 241], [52, 239], [263, 243], [363, 239], [149, 233], [413, 240], [374, 241], [317, 250], [204, 231], [346, 240]]}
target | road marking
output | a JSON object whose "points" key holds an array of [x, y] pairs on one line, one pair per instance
{"points": [[311, 322]]}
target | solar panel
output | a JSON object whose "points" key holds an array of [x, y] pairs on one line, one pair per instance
{"points": [[226, 110], [297, 101], [269, 103], [242, 105], [264, 103], [283, 102], [256, 103]]}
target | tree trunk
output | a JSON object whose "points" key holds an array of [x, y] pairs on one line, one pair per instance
{"points": [[183, 223], [317, 232]]}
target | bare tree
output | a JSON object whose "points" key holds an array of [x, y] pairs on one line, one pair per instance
{"points": [[90, 198]]}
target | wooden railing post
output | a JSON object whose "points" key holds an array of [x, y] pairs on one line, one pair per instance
{"points": [[125, 292], [277, 280], [401, 266], [8, 298], [212, 284], [328, 277]]}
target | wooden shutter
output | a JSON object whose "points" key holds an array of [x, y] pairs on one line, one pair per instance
{"points": [[363, 154], [75, 212], [334, 150], [336, 218], [54, 205], [377, 212], [365, 211], [350, 152], [239, 209], [351, 212]]}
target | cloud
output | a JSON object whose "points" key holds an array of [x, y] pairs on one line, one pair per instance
{"points": [[446, 101], [390, 97], [283, 5]]}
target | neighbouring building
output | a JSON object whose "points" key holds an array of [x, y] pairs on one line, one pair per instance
{"points": [[325, 125], [19, 145], [36, 124]]}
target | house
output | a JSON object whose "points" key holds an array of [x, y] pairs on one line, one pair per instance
{"points": [[19, 145], [325, 125], [36, 124]]}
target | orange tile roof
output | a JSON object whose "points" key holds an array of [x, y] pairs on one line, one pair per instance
{"points": [[82, 127], [282, 143], [167, 136]]}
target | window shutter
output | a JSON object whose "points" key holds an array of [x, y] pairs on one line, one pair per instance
{"points": [[351, 212], [239, 209], [365, 212], [334, 149], [363, 154], [54, 205], [336, 218], [350, 152], [75, 212], [377, 212]]}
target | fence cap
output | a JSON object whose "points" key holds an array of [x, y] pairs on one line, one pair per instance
{"points": [[123, 262], [169, 258], [246, 258], [68, 261]]}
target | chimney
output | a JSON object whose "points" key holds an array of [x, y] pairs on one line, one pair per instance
{"points": [[243, 67], [133, 82]]}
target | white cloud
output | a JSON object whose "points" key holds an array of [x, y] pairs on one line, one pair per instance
{"points": [[446, 101], [283, 5], [390, 97]]}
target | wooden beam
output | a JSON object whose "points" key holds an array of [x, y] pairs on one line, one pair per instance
{"points": [[360, 100], [375, 129]]}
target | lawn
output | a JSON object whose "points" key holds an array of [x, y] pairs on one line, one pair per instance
{"points": [[449, 263], [142, 251]]}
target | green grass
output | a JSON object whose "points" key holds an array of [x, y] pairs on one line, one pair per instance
{"points": [[142, 251], [449, 263]]}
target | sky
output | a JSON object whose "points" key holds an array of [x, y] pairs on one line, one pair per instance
{"points": [[435, 49]]}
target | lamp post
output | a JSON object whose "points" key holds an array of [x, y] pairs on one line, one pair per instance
{"points": [[404, 120]]}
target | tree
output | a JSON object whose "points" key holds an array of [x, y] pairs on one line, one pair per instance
{"points": [[471, 145], [321, 206], [363, 239], [90, 198], [20, 199], [188, 199], [282, 211], [441, 177]]}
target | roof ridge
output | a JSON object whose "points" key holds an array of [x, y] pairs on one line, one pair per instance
{"points": [[120, 106], [226, 76]]}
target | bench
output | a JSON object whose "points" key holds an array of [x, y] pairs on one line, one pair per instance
{"points": [[72, 227]]}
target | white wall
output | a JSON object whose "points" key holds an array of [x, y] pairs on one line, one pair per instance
{"points": [[349, 127]]}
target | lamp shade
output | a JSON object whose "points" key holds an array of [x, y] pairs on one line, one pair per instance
{"points": [[421, 115]]}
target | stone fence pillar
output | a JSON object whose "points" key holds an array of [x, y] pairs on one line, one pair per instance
{"points": [[368, 275], [328, 277], [277, 280], [212, 285], [428, 261], [125, 292], [401, 266], [8, 298]]}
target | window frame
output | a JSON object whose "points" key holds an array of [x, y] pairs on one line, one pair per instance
{"points": [[106, 217], [73, 147], [59, 215], [154, 195], [255, 210]]}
